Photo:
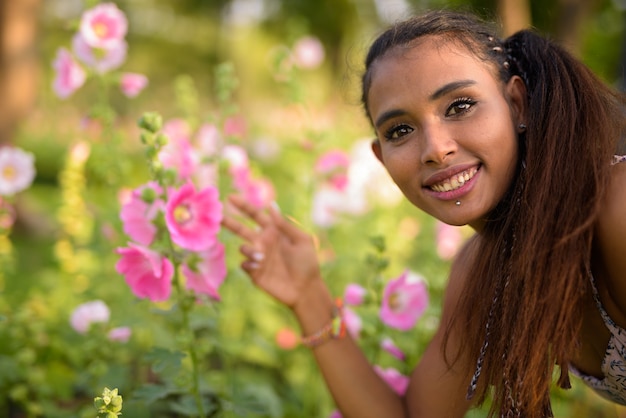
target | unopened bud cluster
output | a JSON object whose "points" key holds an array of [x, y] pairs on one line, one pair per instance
{"points": [[109, 405]]}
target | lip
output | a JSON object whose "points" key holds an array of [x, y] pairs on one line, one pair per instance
{"points": [[447, 173]]}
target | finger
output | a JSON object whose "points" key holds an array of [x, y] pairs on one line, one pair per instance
{"points": [[257, 215], [252, 253], [239, 229], [290, 228]]}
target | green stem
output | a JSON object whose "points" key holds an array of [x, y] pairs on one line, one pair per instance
{"points": [[195, 373]]}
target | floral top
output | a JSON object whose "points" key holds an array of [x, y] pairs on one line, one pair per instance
{"points": [[613, 385]]}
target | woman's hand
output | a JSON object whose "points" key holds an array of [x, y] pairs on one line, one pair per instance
{"points": [[280, 258]]}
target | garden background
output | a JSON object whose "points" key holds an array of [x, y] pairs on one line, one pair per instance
{"points": [[262, 97]]}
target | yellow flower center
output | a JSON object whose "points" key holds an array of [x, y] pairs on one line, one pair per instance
{"points": [[9, 172], [100, 29], [395, 301], [182, 214]]}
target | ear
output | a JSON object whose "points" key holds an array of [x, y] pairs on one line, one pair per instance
{"points": [[518, 101], [377, 150]]}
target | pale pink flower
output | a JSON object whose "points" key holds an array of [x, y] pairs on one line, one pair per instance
{"points": [[449, 240], [193, 217], [147, 273], [132, 84], [101, 60], [237, 158], [235, 126], [69, 75], [308, 53], [354, 294], [328, 205], [88, 313], [178, 154], [103, 26], [354, 323], [287, 339], [205, 271], [138, 216], [120, 334], [389, 346], [404, 301], [333, 166], [17, 170], [209, 140], [258, 192], [396, 380]]}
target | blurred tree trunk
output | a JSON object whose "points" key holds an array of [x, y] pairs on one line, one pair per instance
{"points": [[19, 69], [572, 13], [514, 14]]}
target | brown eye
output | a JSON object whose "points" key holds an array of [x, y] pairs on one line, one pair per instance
{"points": [[460, 106], [397, 131]]}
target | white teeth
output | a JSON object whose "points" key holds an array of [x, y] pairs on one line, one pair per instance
{"points": [[455, 181]]}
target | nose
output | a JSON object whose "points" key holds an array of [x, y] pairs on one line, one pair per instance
{"points": [[437, 145]]}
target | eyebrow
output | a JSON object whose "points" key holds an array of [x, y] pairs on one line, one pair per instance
{"points": [[440, 92]]}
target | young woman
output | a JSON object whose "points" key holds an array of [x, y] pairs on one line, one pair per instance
{"points": [[515, 138]]}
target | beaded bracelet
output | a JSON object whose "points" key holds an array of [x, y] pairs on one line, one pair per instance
{"points": [[335, 329]]}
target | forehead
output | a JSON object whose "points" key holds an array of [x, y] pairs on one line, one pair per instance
{"points": [[426, 64]]}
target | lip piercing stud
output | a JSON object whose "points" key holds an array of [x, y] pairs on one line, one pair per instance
{"points": [[458, 203]]}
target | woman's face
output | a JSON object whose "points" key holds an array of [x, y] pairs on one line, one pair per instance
{"points": [[446, 128]]}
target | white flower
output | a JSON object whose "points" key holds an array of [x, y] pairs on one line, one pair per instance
{"points": [[17, 170]]}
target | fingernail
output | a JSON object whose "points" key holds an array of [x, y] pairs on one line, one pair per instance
{"points": [[253, 265], [258, 256], [275, 206]]}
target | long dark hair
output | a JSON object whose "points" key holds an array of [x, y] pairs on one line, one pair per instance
{"points": [[534, 264]]}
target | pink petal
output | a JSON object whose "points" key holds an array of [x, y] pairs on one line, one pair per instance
{"points": [[148, 274]]}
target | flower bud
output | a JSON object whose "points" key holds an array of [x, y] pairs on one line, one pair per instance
{"points": [[151, 121]]}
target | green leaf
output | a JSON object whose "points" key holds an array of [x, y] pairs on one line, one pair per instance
{"points": [[165, 361], [150, 392]]}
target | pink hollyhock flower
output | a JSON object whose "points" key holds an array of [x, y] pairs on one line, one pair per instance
{"points": [[101, 60], [333, 165], [287, 339], [308, 53], [178, 153], [120, 334], [328, 204], [235, 126], [335, 414], [132, 84], [206, 274], [258, 192], [104, 26], [69, 75], [353, 322], [354, 294], [237, 158], [404, 301], [209, 140], [138, 216], [396, 380], [88, 313], [147, 273], [449, 240], [389, 346], [193, 218], [17, 170]]}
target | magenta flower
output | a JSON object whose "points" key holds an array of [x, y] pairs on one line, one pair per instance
{"points": [[120, 334], [17, 170], [193, 218], [258, 192], [132, 84], [88, 313], [389, 346], [449, 240], [69, 75], [235, 126], [354, 294], [206, 275], [147, 273], [104, 26], [404, 301], [138, 215], [101, 60], [396, 380]]}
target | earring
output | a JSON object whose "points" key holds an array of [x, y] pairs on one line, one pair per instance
{"points": [[522, 127]]}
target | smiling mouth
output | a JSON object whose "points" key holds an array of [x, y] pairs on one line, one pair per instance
{"points": [[455, 182]]}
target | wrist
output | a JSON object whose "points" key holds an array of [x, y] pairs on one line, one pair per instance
{"points": [[315, 308]]}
